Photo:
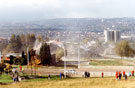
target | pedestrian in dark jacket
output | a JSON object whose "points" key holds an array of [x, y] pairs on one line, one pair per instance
{"points": [[120, 76], [49, 76], [125, 76], [85, 74]]}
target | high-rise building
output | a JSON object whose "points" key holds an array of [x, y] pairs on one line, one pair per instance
{"points": [[117, 36], [112, 35]]}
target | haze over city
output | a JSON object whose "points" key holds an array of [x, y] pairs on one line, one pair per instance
{"points": [[31, 10]]}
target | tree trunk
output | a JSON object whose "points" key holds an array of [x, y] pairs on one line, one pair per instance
{"points": [[35, 70], [31, 70]]}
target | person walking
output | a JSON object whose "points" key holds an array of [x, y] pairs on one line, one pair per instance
{"points": [[102, 74], [85, 74], [13, 76], [20, 68], [60, 75], [120, 76], [116, 75], [125, 76], [132, 72], [88, 74], [49, 77], [123, 73], [129, 73]]}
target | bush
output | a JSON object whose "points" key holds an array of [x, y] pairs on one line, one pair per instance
{"points": [[8, 68], [18, 61], [11, 59], [2, 66]]}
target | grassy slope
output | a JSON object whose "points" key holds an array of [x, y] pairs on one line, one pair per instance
{"points": [[111, 62], [43, 78], [5, 78], [76, 83]]}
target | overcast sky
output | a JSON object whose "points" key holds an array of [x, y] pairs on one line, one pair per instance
{"points": [[48, 9]]}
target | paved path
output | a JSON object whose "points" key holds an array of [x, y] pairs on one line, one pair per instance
{"points": [[94, 70]]}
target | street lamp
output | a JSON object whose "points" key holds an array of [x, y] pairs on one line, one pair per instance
{"points": [[64, 62], [28, 56], [79, 55]]}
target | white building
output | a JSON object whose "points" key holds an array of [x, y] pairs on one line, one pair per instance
{"points": [[117, 36], [112, 35]]}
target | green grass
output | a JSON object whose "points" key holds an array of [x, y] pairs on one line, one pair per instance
{"points": [[42, 78], [107, 82], [4, 78], [18, 66], [111, 62]]}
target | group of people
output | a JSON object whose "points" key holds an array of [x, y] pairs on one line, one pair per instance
{"points": [[118, 75], [62, 75], [86, 74], [15, 76]]}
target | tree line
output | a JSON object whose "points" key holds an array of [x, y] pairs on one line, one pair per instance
{"points": [[18, 43]]}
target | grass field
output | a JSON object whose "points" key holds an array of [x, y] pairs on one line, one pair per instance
{"points": [[41, 78], [5, 78], [111, 62], [109, 82]]}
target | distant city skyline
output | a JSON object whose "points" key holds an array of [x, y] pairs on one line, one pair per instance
{"points": [[27, 10]]}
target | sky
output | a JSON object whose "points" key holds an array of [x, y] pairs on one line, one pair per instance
{"points": [[49, 9]]}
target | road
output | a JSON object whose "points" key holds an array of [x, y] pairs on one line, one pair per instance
{"points": [[94, 70]]}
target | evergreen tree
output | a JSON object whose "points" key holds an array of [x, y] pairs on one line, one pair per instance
{"points": [[31, 38], [45, 54], [15, 44], [24, 57], [11, 59]]}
